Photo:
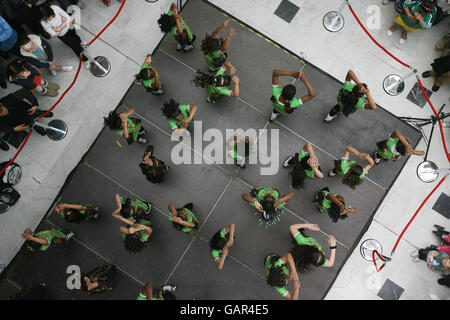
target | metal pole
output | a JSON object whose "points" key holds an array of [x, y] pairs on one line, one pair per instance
{"points": [[48, 127], [402, 79]]}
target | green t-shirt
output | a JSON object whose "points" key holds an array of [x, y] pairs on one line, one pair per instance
{"points": [[210, 57], [217, 253], [136, 205], [390, 153], [185, 110], [308, 241], [346, 165], [144, 297], [308, 172], [269, 265], [49, 235], [133, 129], [143, 236], [149, 83], [280, 107], [184, 27], [348, 87], [190, 218], [264, 191], [414, 6], [326, 203], [212, 90]]}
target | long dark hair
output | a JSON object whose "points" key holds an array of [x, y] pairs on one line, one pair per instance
{"points": [[14, 68], [298, 174], [133, 243], [127, 209], [351, 178], [170, 109], [400, 147], [166, 22], [204, 80], [113, 121], [72, 215], [217, 242], [350, 98], [210, 44], [276, 277], [46, 11], [335, 213], [307, 257]]}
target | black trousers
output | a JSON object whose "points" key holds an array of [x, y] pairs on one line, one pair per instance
{"points": [[73, 41], [334, 111]]}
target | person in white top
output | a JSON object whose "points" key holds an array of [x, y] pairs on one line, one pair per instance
{"points": [[57, 23]]}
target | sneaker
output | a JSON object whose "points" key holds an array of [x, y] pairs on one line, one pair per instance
{"points": [[40, 130], [414, 254], [435, 88], [402, 41], [49, 93], [329, 118], [168, 168], [3, 145], [415, 259], [52, 72], [49, 115], [149, 205], [376, 157], [66, 68], [169, 288], [70, 235], [208, 100], [241, 165], [158, 92], [179, 47], [142, 140], [53, 86], [273, 117], [331, 174], [143, 131], [389, 33], [188, 48], [286, 162], [426, 74]]}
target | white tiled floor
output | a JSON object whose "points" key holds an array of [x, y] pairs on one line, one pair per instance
{"points": [[135, 33]]}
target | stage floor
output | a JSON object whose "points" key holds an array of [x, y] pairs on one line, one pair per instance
{"points": [[215, 190]]}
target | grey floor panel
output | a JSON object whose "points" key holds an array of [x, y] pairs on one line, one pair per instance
{"points": [[51, 267], [197, 277], [103, 236], [254, 243]]}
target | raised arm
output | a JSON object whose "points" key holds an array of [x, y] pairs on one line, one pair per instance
{"points": [[284, 199], [235, 92], [371, 105], [311, 93], [221, 261], [219, 28], [331, 243], [62, 206], [231, 229], [279, 73], [227, 40], [352, 76], [129, 222], [247, 197], [290, 261], [363, 156], [193, 109], [294, 228]]}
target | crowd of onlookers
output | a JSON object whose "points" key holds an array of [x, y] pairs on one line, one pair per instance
{"points": [[27, 59]]}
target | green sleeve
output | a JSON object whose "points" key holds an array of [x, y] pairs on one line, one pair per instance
{"points": [[282, 290], [173, 123], [300, 239], [361, 103], [276, 90], [219, 72], [348, 86], [216, 254], [184, 108], [224, 91], [302, 154]]}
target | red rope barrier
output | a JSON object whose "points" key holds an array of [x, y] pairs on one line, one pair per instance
{"points": [[437, 115], [107, 26], [414, 216], [66, 91], [373, 39]]}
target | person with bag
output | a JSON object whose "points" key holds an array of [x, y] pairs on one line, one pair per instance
{"points": [[393, 148], [129, 128], [351, 98], [153, 168], [173, 22], [214, 49]]}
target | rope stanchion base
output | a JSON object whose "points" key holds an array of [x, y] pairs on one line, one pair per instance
{"points": [[100, 66], [333, 21], [393, 85]]}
